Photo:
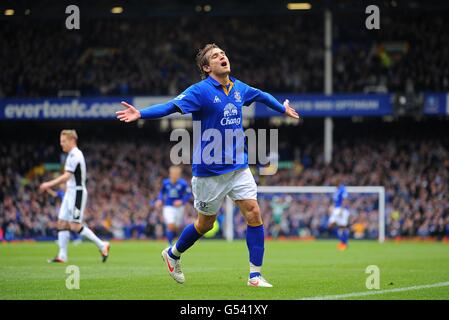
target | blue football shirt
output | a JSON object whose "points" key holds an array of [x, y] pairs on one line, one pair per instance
{"points": [[217, 113], [340, 195], [170, 192]]}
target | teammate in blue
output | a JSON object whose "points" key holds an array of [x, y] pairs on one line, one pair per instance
{"points": [[174, 194], [340, 216], [218, 168]]}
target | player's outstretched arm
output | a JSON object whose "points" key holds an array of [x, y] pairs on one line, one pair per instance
{"points": [[254, 94], [130, 113]]}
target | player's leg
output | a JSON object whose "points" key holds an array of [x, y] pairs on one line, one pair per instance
{"points": [[276, 227], [171, 232], [63, 241], [188, 237], [76, 224], [343, 235], [179, 220], [169, 213], [333, 225], [207, 204], [255, 240], [244, 193], [63, 230], [343, 230], [192, 233]]}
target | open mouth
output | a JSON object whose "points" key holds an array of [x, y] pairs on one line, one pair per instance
{"points": [[224, 64]]}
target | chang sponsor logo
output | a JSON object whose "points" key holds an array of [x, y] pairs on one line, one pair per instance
{"points": [[230, 115]]}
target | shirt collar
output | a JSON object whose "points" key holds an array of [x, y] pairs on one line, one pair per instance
{"points": [[216, 83]]}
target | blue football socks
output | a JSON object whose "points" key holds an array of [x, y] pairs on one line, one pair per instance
{"points": [[187, 238], [255, 242]]}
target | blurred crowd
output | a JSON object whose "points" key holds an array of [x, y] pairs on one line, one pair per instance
{"points": [[277, 53], [415, 176], [124, 178]]}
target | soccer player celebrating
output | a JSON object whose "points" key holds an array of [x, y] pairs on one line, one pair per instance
{"points": [[174, 194], [340, 216], [74, 200], [216, 102]]}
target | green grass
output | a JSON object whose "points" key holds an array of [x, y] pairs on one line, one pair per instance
{"points": [[218, 270]]}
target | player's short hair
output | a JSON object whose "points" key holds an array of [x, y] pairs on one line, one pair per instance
{"points": [[175, 167], [69, 133], [202, 59]]}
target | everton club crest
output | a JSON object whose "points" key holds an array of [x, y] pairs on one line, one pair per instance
{"points": [[237, 96]]}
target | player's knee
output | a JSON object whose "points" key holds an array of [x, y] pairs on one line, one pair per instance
{"points": [[203, 226], [76, 227], [63, 225], [253, 216]]}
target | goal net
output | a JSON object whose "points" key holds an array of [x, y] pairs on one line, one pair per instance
{"points": [[303, 211]]}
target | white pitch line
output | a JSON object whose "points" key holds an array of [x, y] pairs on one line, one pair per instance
{"points": [[374, 292]]}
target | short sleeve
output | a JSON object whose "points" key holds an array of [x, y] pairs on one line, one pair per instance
{"points": [[71, 163], [189, 101]]}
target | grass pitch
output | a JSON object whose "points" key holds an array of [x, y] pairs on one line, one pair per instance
{"points": [[218, 270]]}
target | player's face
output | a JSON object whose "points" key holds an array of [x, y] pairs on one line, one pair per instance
{"points": [[66, 143], [218, 62], [174, 174]]}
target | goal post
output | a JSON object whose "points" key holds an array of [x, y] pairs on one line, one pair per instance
{"points": [[379, 190]]}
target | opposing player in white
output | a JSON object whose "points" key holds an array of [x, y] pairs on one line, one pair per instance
{"points": [[340, 216], [219, 169], [74, 201]]}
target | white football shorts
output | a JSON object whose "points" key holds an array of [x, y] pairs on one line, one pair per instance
{"points": [[173, 215], [339, 216], [73, 205], [209, 192]]}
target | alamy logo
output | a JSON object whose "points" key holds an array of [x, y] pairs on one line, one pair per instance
{"points": [[230, 111], [217, 99], [225, 145]]}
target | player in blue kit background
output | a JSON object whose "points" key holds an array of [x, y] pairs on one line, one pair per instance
{"points": [[218, 169], [174, 194], [340, 216]]}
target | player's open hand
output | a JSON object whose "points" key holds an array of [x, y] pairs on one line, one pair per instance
{"points": [[158, 204], [289, 111], [177, 203], [130, 113], [44, 186]]}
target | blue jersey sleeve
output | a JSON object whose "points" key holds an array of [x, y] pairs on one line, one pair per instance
{"points": [[162, 192], [189, 101], [187, 194], [253, 94], [158, 110]]}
